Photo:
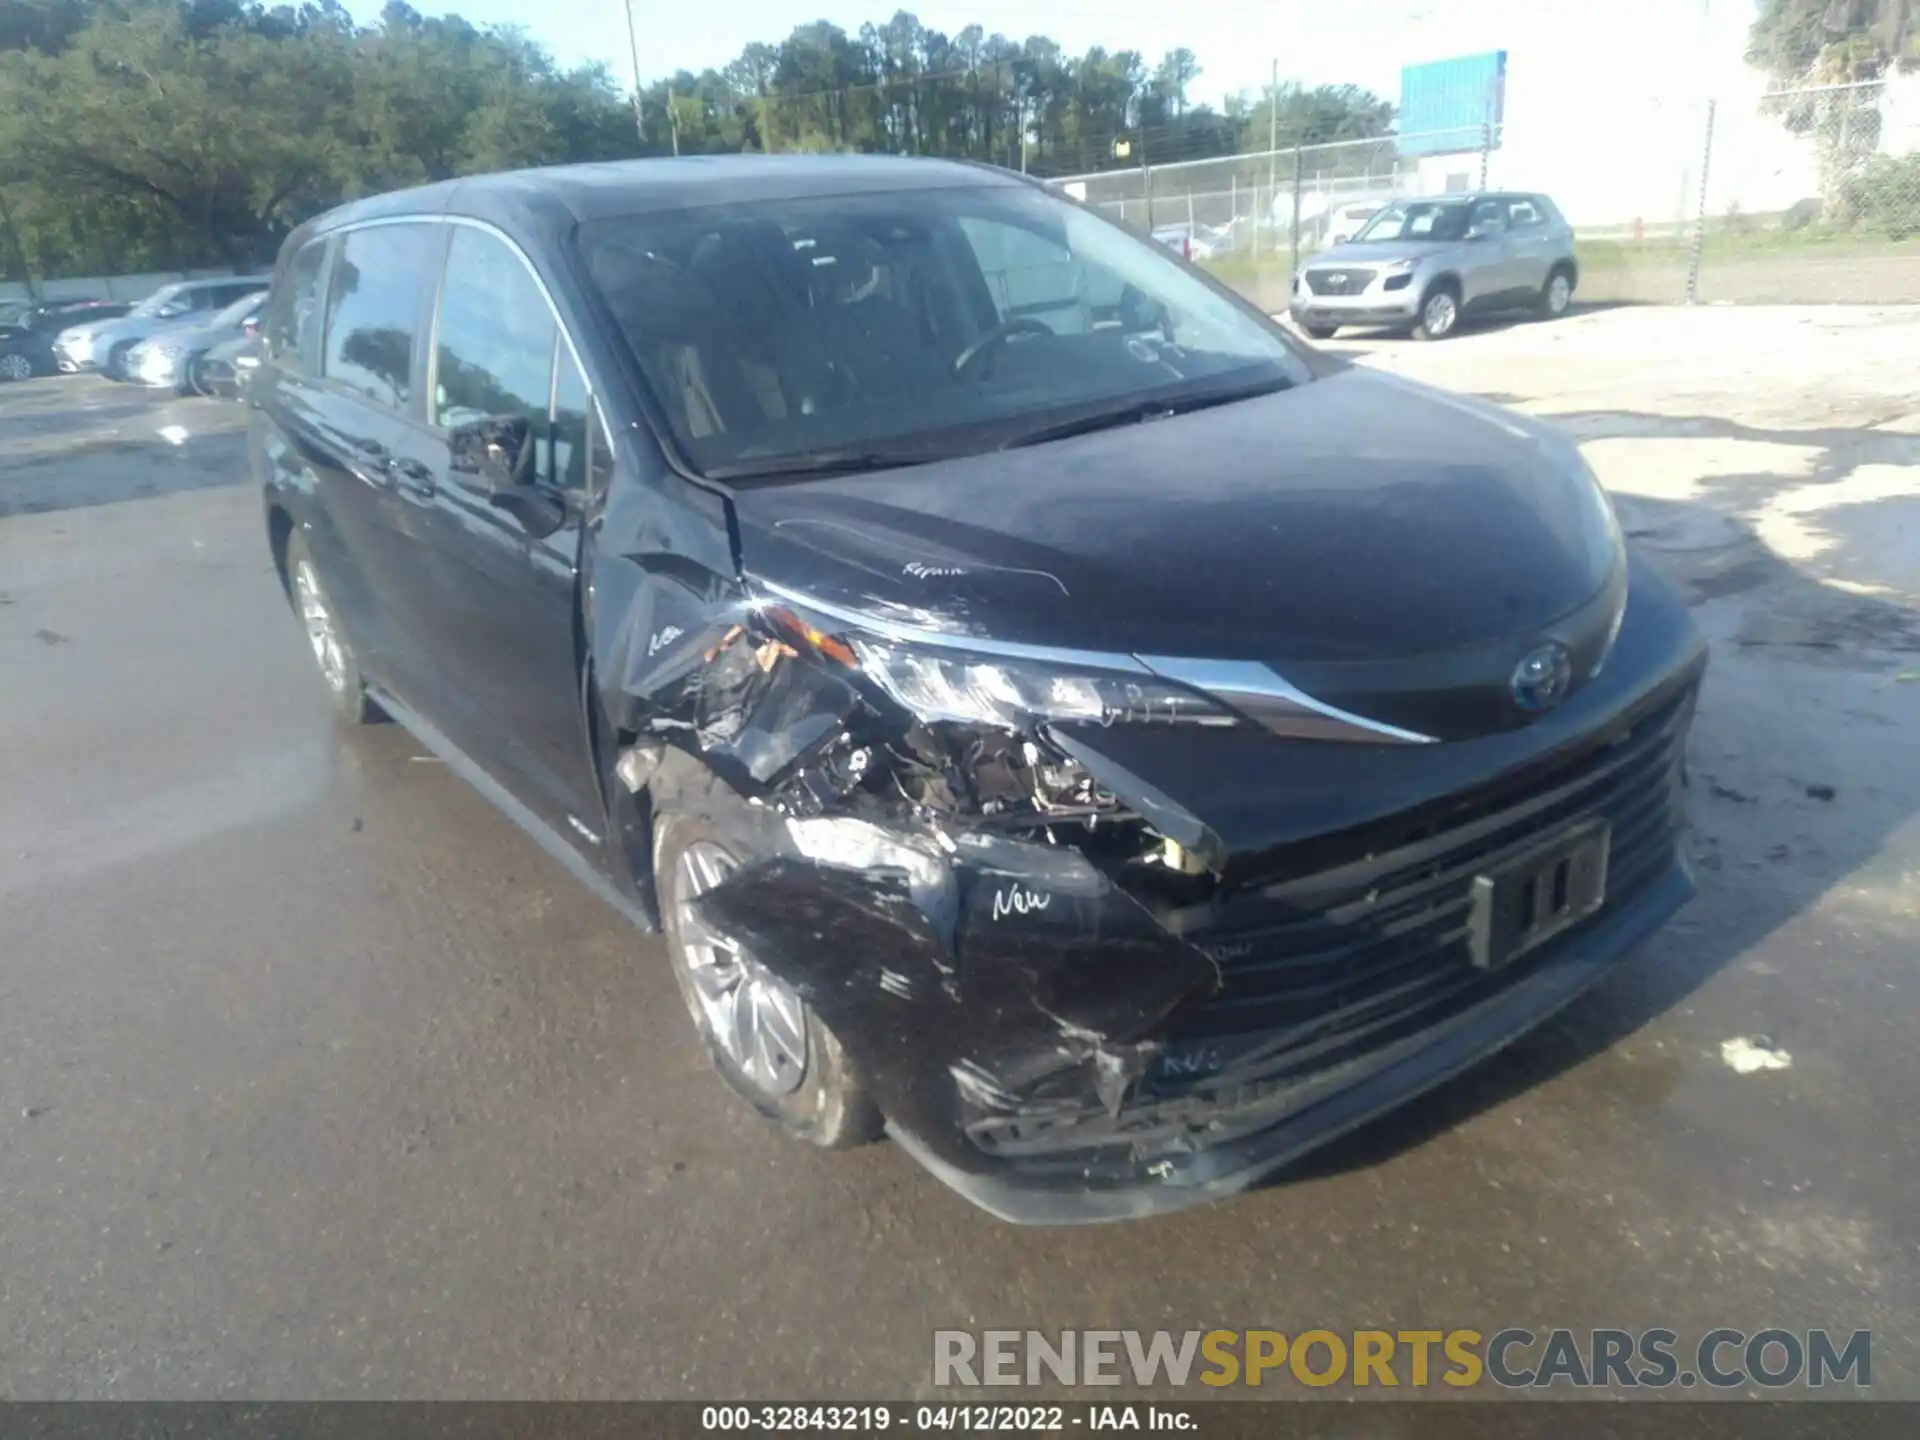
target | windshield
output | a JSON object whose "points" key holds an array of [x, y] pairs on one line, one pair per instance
{"points": [[166, 301], [921, 323], [1418, 220], [237, 312]]}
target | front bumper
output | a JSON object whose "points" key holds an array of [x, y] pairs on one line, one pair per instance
{"points": [[72, 360], [1373, 305], [1060, 1050], [1120, 1189]]}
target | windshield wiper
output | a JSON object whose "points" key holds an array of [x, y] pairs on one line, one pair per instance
{"points": [[1141, 411], [833, 462]]}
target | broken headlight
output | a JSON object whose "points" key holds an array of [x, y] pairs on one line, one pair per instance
{"points": [[1017, 695]]}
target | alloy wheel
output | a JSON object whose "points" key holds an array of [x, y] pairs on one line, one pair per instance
{"points": [[1438, 315], [318, 619], [753, 1017], [15, 367], [1559, 293]]}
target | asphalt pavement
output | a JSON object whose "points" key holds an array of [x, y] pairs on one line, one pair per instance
{"points": [[318, 1079]]}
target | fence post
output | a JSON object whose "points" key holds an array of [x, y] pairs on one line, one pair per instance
{"points": [[1273, 149], [1486, 151], [1700, 218], [1146, 176], [1296, 208]]}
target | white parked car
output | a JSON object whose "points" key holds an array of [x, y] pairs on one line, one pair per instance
{"points": [[1350, 219]]}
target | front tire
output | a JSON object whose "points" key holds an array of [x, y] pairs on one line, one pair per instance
{"points": [[15, 367], [1555, 296], [116, 366], [1439, 313], [1321, 332], [766, 1042], [339, 666]]}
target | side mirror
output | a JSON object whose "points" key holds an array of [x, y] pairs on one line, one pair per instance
{"points": [[540, 511], [498, 454], [493, 454]]}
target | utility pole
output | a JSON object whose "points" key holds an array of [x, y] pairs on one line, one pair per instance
{"points": [[673, 121], [633, 45], [1273, 150]]}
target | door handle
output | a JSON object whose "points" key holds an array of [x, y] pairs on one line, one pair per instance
{"points": [[413, 475]]}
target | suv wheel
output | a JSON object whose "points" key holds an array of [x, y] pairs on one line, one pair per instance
{"points": [[15, 367], [339, 667], [1439, 313], [1321, 332], [765, 1041], [1556, 295]]}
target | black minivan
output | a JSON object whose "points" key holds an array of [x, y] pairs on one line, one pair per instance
{"points": [[1052, 714]]}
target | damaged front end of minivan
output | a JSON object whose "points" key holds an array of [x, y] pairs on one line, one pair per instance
{"points": [[1105, 935]]}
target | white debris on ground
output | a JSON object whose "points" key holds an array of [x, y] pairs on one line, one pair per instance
{"points": [[1744, 1055]]}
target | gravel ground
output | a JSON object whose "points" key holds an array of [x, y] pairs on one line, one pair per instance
{"points": [[317, 1079]]}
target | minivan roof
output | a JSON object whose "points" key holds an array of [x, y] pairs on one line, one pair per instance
{"points": [[575, 193]]}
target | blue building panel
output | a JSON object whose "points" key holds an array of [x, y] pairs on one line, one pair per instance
{"points": [[1447, 105]]}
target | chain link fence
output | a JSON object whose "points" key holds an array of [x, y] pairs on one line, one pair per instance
{"points": [[1799, 196], [1254, 217]]}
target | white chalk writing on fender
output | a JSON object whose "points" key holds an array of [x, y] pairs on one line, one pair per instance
{"points": [[1017, 900]]}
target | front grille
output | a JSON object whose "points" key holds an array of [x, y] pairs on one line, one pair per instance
{"points": [[1348, 958], [1339, 282]]}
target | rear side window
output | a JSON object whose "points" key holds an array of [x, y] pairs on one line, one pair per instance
{"points": [[373, 309], [495, 340], [290, 318], [1524, 214]]}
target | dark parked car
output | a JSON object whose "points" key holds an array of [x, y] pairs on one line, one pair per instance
{"points": [[1046, 709], [26, 342]]}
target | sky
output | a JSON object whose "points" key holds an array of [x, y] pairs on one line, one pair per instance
{"points": [[1237, 42]]}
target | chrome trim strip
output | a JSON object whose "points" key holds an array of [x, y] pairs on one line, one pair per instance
{"points": [[1244, 684], [1251, 686]]}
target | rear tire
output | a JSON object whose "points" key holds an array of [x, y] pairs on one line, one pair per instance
{"points": [[1439, 313], [779, 1056], [15, 367], [339, 667], [1321, 332]]}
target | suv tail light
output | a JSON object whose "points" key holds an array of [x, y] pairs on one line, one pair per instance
{"points": [[250, 327], [1186, 247]]}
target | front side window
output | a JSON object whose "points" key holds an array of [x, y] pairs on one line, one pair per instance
{"points": [[571, 439], [495, 337], [164, 303], [373, 309], [294, 303], [918, 323]]}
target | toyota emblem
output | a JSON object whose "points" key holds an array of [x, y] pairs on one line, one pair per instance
{"points": [[1542, 678]]}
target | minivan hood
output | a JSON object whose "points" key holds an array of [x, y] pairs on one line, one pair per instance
{"points": [[1356, 518]]}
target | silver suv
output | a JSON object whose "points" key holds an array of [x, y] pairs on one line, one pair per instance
{"points": [[1424, 264], [104, 345]]}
